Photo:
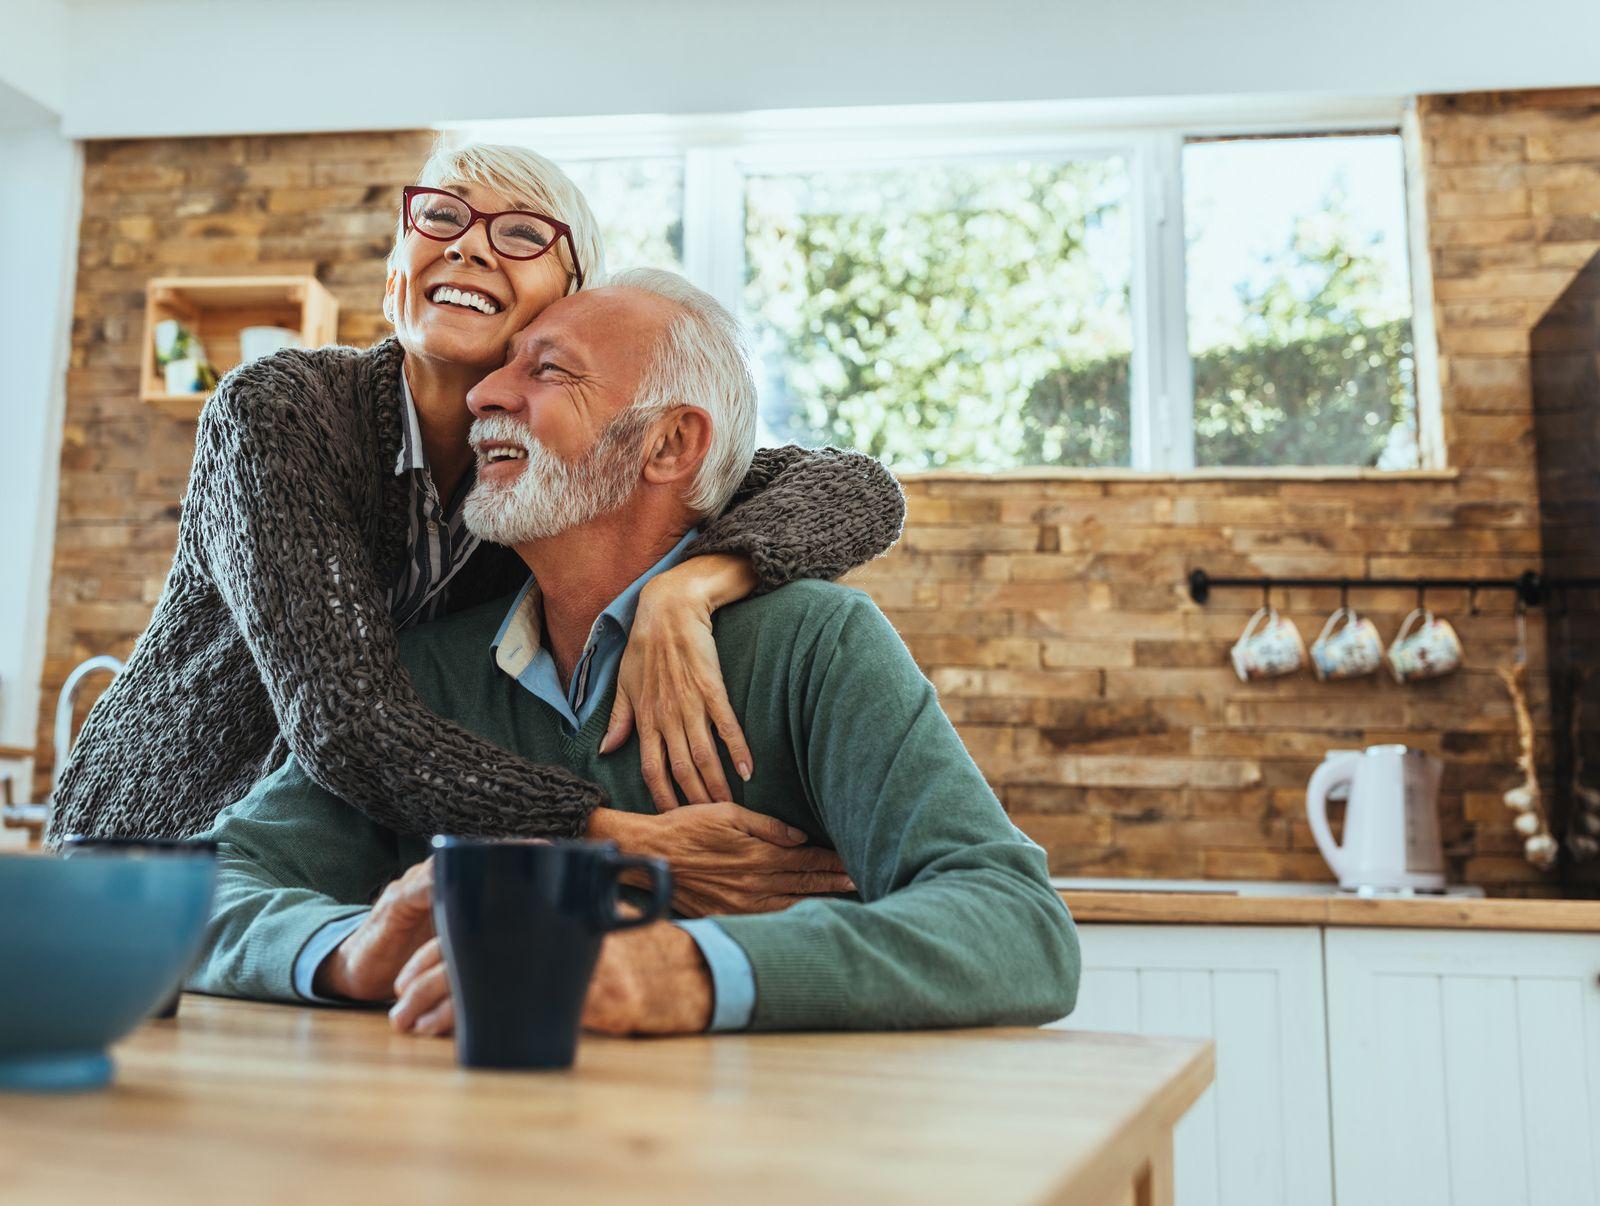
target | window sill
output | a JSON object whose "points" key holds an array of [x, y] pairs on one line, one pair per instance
{"points": [[1292, 473]]}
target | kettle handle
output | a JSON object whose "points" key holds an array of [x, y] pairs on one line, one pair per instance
{"points": [[1324, 779]]}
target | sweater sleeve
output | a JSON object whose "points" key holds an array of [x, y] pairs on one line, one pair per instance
{"points": [[290, 859], [283, 546], [957, 924], [804, 513]]}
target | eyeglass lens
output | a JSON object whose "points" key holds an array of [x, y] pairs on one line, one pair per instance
{"points": [[516, 235]]}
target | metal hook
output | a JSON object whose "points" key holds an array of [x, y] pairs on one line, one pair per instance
{"points": [[1472, 598], [1422, 593], [1266, 594], [1344, 594], [1522, 630]]}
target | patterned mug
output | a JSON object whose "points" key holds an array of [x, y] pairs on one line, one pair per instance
{"points": [[1433, 649], [1349, 651], [1269, 648]]}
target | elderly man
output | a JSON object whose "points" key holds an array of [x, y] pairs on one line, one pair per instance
{"points": [[623, 416]]}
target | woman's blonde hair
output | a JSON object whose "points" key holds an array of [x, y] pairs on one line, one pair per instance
{"points": [[527, 179]]}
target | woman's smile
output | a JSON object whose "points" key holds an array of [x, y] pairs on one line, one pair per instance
{"points": [[474, 301]]}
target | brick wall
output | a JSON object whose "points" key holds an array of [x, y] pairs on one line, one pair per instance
{"points": [[1049, 609]]}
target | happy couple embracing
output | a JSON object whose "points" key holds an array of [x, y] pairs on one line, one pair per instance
{"points": [[498, 575]]}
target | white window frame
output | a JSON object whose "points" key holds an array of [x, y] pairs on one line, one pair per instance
{"points": [[718, 151]]}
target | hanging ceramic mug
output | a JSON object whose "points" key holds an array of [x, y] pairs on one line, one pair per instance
{"points": [[1346, 650], [1269, 648], [1426, 650]]}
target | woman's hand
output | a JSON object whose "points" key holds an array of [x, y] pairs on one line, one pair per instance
{"points": [[670, 683], [724, 858]]}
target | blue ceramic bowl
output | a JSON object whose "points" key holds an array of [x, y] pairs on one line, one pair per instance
{"points": [[88, 948]]}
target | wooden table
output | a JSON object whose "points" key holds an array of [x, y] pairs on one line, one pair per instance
{"points": [[241, 1102]]}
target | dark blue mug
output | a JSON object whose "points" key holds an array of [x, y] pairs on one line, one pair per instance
{"points": [[521, 924]]}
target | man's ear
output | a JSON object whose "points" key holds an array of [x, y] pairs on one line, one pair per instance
{"points": [[679, 446]]}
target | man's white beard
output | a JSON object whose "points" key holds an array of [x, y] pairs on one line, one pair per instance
{"points": [[550, 495]]}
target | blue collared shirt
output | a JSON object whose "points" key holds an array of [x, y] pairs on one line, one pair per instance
{"points": [[519, 651], [519, 645]]}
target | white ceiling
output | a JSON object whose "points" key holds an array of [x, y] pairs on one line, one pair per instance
{"points": [[152, 67]]}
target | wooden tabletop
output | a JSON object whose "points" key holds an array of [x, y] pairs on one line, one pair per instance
{"points": [[242, 1102], [1446, 913]]}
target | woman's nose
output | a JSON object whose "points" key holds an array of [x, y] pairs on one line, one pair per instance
{"points": [[472, 246]]}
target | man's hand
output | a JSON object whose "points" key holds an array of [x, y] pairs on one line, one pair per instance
{"points": [[425, 1006], [724, 858], [363, 967], [652, 980]]}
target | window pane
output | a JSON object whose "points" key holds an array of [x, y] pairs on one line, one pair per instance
{"points": [[639, 204], [964, 314], [1300, 302]]}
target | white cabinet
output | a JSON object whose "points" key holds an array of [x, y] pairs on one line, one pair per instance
{"points": [[1465, 1067], [1260, 1134]]}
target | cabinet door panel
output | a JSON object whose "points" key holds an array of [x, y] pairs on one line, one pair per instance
{"points": [[1565, 1140], [1260, 1133], [1179, 1003], [1409, 1049], [1465, 1067]]}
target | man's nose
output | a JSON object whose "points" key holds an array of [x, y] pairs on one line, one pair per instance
{"points": [[496, 394]]}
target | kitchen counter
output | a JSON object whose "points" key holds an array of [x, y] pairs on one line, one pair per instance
{"points": [[243, 1102], [1324, 908]]}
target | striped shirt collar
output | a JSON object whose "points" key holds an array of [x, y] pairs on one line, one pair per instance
{"points": [[412, 454]]}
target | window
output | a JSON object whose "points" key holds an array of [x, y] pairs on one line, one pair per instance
{"points": [[992, 291], [1299, 303], [945, 314], [639, 205]]}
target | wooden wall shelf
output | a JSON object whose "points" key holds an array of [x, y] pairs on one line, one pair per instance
{"points": [[217, 308]]}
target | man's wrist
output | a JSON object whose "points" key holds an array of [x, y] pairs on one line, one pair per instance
{"points": [[633, 832], [681, 993], [332, 979]]}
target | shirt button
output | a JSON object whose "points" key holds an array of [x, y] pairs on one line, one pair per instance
{"points": [[433, 525]]}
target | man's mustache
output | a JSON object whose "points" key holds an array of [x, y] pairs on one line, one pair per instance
{"points": [[501, 429]]}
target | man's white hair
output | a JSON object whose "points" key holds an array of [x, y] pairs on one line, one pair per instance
{"points": [[701, 361], [525, 179]]}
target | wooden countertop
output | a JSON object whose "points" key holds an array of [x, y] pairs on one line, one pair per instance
{"points": [[1207, 908], [242, 1102]]}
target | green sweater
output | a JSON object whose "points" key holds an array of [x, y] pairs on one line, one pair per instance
{"points": [[956, 924]]}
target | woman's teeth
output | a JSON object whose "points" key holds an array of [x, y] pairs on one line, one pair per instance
{"points": [[446, 296]]}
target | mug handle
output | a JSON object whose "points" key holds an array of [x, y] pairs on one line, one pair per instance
{"points": [[1334, 619], [660, 891], [1262, 613], [1405, 625]]}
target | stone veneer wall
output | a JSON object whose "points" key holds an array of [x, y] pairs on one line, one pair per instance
{"points": [[1048, 608]]}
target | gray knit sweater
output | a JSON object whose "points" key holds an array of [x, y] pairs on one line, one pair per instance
{"points": [[272, 633]]}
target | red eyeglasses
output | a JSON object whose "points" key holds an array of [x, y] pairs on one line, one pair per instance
{"points": [[515, 234]]}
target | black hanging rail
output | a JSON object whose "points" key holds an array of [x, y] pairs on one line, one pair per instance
{"points": [[1529, 585]]}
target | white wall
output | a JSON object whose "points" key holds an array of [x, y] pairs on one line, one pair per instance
{"points": [[40, 177], [32, 51], [198, 66]]}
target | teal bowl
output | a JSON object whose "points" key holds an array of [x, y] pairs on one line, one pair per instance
{"points": [[89, 947]]}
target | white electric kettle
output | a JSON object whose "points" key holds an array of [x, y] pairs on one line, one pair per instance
{"points": [[1391, 824]]}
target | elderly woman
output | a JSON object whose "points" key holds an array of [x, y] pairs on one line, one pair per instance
{"points": [[324, 514]]}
